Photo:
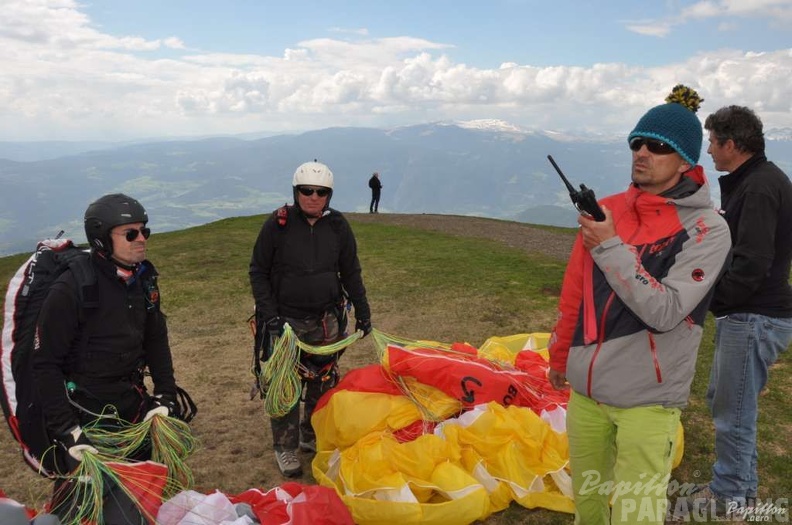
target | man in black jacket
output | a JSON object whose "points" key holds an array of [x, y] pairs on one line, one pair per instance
{"points": [[376, 190], [303, 266], [89, 363], [752, 302]]}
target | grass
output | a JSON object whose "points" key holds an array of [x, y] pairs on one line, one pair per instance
{"points": [[421, 285]]}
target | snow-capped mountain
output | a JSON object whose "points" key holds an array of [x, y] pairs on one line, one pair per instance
{"points": [[484, 167]]}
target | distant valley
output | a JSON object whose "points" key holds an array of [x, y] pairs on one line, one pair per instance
{"points": [[442, 168]]}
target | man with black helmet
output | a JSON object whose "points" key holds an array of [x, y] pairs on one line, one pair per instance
{"points": [[89, 362], [304, 263]]}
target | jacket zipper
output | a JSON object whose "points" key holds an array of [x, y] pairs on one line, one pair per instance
{"points": [[653, 348], [600, 340], [601, 335]]}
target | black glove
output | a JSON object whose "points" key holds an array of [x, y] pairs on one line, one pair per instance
{"points": [[364, 325], [75, 443], [163, 405], [275, 327]]}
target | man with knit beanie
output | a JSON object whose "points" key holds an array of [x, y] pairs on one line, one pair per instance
{"points": [[631, 314]]}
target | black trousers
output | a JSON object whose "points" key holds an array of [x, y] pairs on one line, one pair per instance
{"points": [[375, 198], [117, 507], [289, 430]]}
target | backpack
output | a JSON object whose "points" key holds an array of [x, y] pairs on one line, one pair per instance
{"points": [[26, 292]]}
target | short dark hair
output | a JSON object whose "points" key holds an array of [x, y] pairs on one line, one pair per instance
{"points": [[740, 124]]}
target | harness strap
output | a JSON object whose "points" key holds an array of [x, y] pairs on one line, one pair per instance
{"points": [[281, 215], [325, 373]]}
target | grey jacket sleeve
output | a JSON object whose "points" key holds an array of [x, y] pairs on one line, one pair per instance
{"points": [[663, 304]]}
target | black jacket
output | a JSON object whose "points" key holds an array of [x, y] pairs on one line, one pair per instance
{"points": [[375, 184], [102, 350], [756, 200], [298, 270]]}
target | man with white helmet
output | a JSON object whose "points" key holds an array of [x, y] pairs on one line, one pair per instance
{"points": [[304, 267]]}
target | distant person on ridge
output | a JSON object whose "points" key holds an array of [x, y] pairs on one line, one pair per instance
{"points": [[376, 189], [630, 319], [304, 266], [103, 352]]}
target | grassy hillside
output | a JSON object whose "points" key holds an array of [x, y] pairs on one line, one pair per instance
{"points": [[421, 285]]}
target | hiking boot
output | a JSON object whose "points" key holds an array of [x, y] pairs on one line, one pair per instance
{"points": [[703, 502], [308, 446], [288, 463]]}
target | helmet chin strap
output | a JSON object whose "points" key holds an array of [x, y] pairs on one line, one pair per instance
{"points": [[121, 265], [312, 217], [317, 216]]}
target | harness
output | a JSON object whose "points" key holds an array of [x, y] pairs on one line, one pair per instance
{"points": [[79, 384], [263, 345], [282, 215]]}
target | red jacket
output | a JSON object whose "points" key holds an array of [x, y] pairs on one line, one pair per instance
{"points": [[632, 309]]}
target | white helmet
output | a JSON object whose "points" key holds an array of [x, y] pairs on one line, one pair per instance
{"points": [[313, 174]]}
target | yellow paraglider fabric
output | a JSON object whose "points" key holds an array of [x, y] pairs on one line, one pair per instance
{"points": [[408, 449], [506, 348], [421, 481]]}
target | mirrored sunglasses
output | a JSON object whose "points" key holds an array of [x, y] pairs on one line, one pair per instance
{"points": [[658, 147], [322, 192], [131, 235]]}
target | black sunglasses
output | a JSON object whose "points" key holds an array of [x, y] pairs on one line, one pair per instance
{"points": [[131, 235], [655, 146], [322, 192]]}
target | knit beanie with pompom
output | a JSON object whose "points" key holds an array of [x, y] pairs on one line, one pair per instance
{"points": [[675, 123]]}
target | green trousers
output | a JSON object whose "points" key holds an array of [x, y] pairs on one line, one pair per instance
{"points": [[620, 460]]}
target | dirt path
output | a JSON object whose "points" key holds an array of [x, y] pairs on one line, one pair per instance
{"points": [[513, 234]]}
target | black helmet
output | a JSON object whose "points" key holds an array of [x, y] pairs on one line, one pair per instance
{"points": [[106, 213]]}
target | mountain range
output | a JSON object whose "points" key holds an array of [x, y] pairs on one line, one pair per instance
{"points": [[483, 168]]}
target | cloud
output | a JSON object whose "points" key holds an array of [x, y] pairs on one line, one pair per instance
{"points": [[776, 12], [651, 28], [69, 80], [770, 9], [60, 23], [360, 31]]}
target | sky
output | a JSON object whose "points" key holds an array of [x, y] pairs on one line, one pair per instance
{"points": [[134, 69]]}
